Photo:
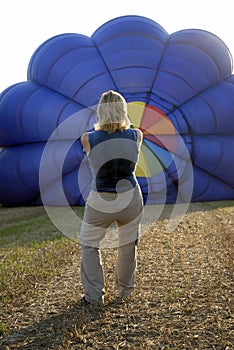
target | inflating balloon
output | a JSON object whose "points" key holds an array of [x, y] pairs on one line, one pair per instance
{"points": [[179, 90]]}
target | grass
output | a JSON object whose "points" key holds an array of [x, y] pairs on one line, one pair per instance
{"points": [[27, 231], [31, 253], [22, 267], [183, 297]]}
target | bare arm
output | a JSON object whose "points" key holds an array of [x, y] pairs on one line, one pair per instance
{"points": [[139, 138], [85, 142]]}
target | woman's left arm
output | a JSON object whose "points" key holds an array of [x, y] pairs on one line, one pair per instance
{"points": [[85, 142]]}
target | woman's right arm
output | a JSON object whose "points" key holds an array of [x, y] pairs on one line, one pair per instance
{"points": [[139, 138]]}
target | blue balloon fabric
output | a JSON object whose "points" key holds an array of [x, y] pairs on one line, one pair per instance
{"points": [[181, 84]]}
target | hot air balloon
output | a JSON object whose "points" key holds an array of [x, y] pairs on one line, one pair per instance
{"points": [[179, 88]]}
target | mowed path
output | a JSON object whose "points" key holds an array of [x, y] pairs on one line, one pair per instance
{"points": [[183, 297]]}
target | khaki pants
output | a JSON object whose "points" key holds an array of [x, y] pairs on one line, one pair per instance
{"points": [[127, 213]]}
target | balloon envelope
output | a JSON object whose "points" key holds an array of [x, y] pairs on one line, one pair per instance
{"points": [[179, 90]]}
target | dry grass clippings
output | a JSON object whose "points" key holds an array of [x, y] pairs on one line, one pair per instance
{"points": [[183, 297]]}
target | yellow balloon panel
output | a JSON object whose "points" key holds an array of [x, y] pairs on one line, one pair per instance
{"points": [[135, 112], [148, 164]]}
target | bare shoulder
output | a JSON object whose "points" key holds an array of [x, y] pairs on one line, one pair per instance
{"points": [[85, 141], [84, 138], [139, 136]]}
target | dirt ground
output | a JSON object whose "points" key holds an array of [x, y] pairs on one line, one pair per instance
{"points": [[183, 297]]}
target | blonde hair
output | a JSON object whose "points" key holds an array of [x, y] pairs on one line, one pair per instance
{"points": [[112, 112]]}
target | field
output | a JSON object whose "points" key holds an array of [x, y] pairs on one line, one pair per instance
{"points": [[183, 297]]}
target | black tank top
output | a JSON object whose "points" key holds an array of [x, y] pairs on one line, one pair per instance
{"points": [[113, 158]]}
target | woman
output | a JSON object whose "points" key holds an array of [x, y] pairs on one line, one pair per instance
{"points": [[112, 150]]}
